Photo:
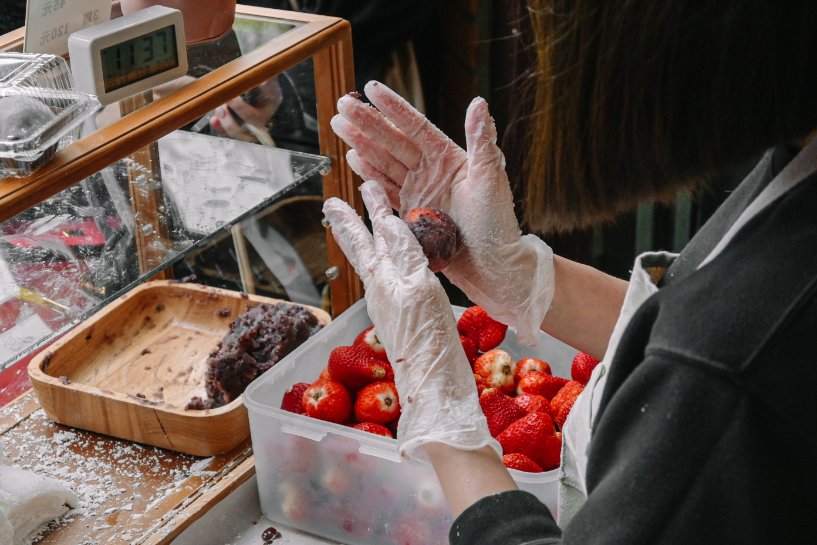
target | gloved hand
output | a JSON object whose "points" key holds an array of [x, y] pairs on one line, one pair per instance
{"points": [[414, 321], [508, 274]]}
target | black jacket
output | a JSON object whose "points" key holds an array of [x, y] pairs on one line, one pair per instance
{"points": [[707, 430]]}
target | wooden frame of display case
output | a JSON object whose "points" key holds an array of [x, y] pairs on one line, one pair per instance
{"points": [[326, 40]]}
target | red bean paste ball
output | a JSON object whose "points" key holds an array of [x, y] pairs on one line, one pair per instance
{"points": [[437, 233], [258, 339]]}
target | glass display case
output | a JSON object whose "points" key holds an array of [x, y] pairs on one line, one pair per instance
{"points": [[219, 174]]}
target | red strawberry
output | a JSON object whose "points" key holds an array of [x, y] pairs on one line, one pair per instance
{"points": [[482, 385], [368, 339], [499, 410], [411, 530], [532, 402], [526, 365], [293, 398], [551, 455], [371, 427], [496, 368], [521, 462], [486, 332], [296, 503], [328, 401], [324, 376], [337, 479], [378, 403], [470, 348], [354, 367], [583, 365], [536, 382], [563, 401], [530, 435]]}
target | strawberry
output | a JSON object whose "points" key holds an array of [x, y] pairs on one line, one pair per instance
{"points": [[551, 455], [470, 348], [296, 503], [583, 364], [328, 401], [411, 530], [337, 479], [429, 498], [520, 462], [536, 382], [526, 365], [293, 398], [354, 367], [294, 455], [482, 385], [529, 435], [496, 368], [378, 403], [368, 339], [486, 332], [532, 402], [324, 376], [499, 409], [371, 427], [563, 401]]}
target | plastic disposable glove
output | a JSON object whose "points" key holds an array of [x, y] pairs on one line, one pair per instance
{"points": [[508, 274], [415, 322]]}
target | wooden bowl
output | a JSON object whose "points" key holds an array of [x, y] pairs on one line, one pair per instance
{"points": [[129, 370]]}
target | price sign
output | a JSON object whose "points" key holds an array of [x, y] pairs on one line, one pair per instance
{"points": [[50, 22], [129, 54]]}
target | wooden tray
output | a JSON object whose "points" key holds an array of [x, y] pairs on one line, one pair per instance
{"points": [[129, 370]]}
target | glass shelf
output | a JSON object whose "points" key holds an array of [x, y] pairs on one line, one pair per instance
{"points": [[67, 257], [155, 188]]}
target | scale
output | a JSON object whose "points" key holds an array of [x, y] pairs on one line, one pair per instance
{"points": [[129, 54]]}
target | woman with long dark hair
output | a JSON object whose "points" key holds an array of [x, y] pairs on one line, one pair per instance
{"points": [[700, 423]]}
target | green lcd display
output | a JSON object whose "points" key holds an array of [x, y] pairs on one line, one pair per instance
{"points": [[139, 58]]}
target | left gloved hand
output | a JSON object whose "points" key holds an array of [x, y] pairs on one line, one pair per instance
{"points": [[509, 274], [415, 322]]}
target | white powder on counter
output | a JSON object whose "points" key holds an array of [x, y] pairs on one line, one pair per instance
{"points": [[100, 470]]}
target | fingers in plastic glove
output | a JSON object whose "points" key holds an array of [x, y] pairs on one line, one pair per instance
{"points": [[404, 252], [366, 171], [405, 117], [393, 237], [486, 166], [352, 236], [376, 201], [373, 152], [379, 129]]}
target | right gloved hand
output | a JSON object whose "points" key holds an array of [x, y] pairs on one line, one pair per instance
{"points": [[414, 321], [508, 274]]}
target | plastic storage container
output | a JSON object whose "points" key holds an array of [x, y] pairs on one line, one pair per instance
{"points": [[40, 112], [350, 485]]}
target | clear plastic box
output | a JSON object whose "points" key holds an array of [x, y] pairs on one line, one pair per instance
{"points": [[40, 112], [350, 485]]}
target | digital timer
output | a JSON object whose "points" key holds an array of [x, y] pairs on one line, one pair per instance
{"points": [[130, 54]]}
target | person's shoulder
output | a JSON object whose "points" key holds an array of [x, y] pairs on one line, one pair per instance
{"points": [[759, 289]]}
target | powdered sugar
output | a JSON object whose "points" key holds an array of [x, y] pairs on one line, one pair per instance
{"points": [[117, 482]]}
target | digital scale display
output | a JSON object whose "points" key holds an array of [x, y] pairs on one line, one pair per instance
{"points": [[130, 54], [139, 58]]}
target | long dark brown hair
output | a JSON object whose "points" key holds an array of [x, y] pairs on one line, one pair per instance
{"points": [[635, 99]]}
